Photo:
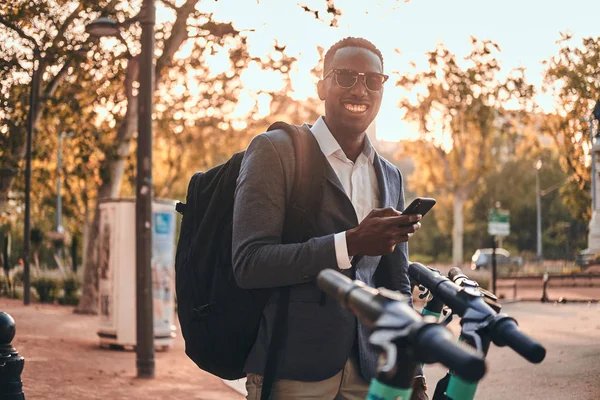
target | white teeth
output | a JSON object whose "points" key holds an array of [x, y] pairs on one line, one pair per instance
{"points": [[355, 108]]}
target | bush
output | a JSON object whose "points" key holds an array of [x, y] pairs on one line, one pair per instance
{"points": [[17, 276], [4, 287], [47, 288], [70, 287]]}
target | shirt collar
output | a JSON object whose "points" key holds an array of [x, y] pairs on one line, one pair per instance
{"points": [[329, 145]]}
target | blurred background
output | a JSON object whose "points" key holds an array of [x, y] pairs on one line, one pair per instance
{"points": [[489, 105]]}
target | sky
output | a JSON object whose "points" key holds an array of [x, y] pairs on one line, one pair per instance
{"points": [[525, 30]]}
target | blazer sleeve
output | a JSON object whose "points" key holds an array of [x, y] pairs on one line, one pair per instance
{"points": [[260, 260]]}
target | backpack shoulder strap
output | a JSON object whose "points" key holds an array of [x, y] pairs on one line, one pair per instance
{"points": [[309, 180]]}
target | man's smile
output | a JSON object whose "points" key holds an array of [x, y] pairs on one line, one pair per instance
{"points": [[356, 108]]}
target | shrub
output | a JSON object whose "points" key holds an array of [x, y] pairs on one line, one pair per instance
{"points": [[17, 276], [47, 288], [70, 287], [4, 291]]}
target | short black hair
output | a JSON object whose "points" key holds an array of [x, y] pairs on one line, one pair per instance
{"points": [[349, 42]]}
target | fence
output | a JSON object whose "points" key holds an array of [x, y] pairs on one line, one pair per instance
{"points": [[550, 287]]}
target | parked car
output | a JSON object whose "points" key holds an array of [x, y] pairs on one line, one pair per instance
{"points": [[482, 259], [586, 258]]}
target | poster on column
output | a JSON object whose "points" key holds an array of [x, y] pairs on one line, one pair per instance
{"points": [[105, 265], [163, 260]]}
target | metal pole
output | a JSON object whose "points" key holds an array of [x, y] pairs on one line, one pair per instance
{"points": [[539, 214], [58, 183], [494, 271], [59, 227], [143, 209], [27, 227]]}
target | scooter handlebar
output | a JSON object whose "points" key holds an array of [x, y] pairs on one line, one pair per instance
{"points": [[432, 343], [506, 332], [436, 344]]}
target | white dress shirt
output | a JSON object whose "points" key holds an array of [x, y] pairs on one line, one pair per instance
{"points": [[358, 179]]}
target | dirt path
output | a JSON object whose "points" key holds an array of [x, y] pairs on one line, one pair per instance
{"points": [[63, 359]]}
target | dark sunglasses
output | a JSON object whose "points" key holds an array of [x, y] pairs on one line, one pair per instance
{"points": [[347, 78]]}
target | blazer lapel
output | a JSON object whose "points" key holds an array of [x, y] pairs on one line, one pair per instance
{"points": [[333, 179], [383, 181]]}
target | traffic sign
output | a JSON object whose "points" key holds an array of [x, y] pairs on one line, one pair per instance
{"points": [[499, 222]]}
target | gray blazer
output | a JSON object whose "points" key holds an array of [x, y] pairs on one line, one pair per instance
{"points": [[321, 335]]}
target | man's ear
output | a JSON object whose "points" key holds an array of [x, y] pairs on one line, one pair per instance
{"points": [[321, 89]]}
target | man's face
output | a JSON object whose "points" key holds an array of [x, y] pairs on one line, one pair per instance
{"points": [[351, 111]]}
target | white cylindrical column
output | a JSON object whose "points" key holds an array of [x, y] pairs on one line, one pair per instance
{"points": [[594, 235]]}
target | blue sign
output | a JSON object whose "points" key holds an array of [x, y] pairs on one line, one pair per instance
{"points": [[163, 223]]}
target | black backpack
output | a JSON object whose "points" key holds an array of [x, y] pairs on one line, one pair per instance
{"points": [[219, 321]]}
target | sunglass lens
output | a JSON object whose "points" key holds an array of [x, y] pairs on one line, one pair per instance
{"points": [[346, 79], [374, 82]]}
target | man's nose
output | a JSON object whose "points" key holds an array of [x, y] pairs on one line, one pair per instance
{"points": [[359, 88]]}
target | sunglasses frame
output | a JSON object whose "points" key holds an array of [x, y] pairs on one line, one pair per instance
{"points": [[336, 72]]}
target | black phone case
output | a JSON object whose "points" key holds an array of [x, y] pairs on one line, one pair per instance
{"points": [[420, 205]]}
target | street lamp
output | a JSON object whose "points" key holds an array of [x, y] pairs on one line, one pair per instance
{"points": [[538, 166], [103, 27], [143, 205]]}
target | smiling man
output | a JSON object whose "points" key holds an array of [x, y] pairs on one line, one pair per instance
{"points": [[325, 353]]}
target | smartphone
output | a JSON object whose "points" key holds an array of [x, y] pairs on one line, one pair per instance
{"points": [[420, 205]]}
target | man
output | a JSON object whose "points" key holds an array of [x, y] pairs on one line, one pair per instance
{"points": [[325, 354]]}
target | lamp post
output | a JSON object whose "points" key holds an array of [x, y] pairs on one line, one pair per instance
{"points": [[27, 218], [59, 227], [538, 166], [143, 209]]}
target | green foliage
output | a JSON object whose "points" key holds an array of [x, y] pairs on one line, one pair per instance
{"points": [[4, 285], [571, 77], [70, 285], [37, 237], [465, 131], [47, 288], [18, 277], [461, 118], [430, 244]]}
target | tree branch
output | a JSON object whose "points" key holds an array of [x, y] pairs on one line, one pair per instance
{"points": [[179, 34], [56, 80], [443, 158], [169, 4], [19, 31], [60, 35]]}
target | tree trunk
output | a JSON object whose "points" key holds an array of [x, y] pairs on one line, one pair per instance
{"points": [[88, 304], [86, 230], [460, 197], [115, 164]]}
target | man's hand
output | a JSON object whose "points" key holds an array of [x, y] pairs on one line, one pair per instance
{"points": [[380, 231]]}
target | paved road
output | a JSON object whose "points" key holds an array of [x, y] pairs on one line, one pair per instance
{"points": [[63, 360], [571, 370]]}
